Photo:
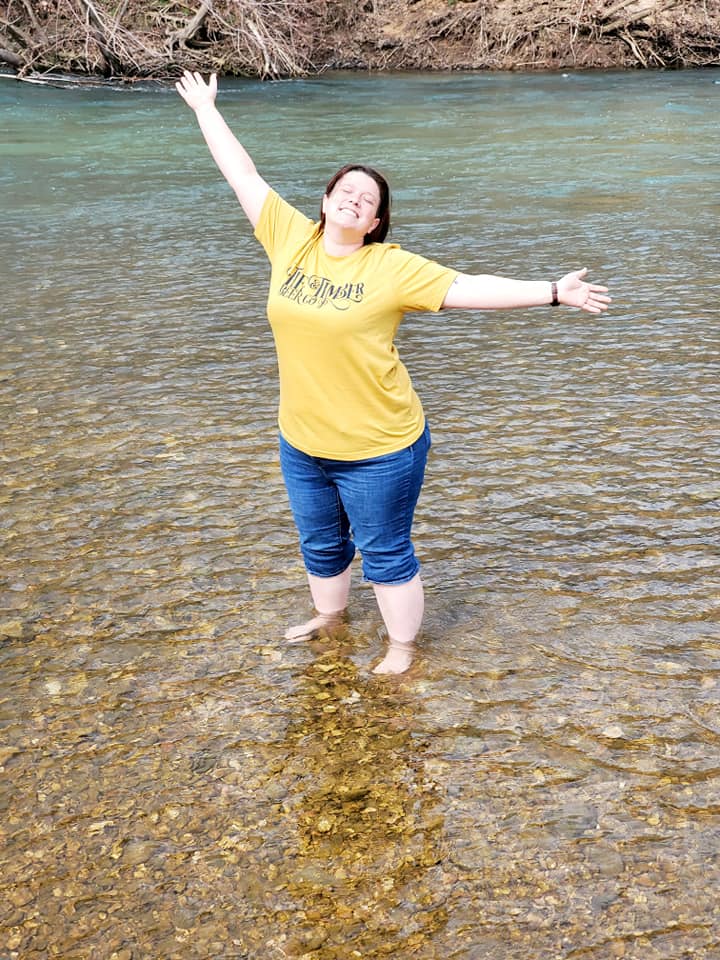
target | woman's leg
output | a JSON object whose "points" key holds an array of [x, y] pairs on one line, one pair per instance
{"points": [[330, 597], [380, 496], [325, 541], [401, 606]]}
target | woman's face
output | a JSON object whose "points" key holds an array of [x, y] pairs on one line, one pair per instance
{"points": [[353, 203]]}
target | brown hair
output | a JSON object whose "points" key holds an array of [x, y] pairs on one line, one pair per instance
{"points": [[383, 211]]}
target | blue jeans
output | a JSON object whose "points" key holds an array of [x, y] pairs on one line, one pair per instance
{"points": [[341, 504]]}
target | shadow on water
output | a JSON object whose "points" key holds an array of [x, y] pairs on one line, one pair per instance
{"points": [[364, 864]]}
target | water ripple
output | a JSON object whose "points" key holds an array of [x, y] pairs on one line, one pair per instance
{"points": [[543, 782]]}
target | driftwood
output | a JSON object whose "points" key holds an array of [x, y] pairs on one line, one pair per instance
{"points": [[130, 39], [13, 59], [527, 34], [191, 27], [620, 15]]}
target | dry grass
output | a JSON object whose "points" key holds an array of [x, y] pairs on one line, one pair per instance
{"points": [[125, 38], [286, 38]]}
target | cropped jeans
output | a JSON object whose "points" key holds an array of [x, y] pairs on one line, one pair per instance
{"points": [[341, 505]]}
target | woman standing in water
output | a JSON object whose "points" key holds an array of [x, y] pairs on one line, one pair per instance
{"points": [[353, 437]]}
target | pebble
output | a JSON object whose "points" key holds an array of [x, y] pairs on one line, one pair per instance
{"points": [[613, 732]]}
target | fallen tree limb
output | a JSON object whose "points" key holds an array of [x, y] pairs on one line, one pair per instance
{"points": [[637, 16], [181, 37], [22, 36], [7, 56], [134, 39]]}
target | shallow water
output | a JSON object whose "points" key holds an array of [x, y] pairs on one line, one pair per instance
{"points": [[177, 781]]}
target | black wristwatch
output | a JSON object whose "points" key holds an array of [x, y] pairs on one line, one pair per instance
{"points": [[554, 302]]}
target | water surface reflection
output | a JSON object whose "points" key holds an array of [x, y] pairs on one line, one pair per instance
{"points": [[178, 782]]}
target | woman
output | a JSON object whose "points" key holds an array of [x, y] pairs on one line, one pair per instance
{"points": [[353, 438]]}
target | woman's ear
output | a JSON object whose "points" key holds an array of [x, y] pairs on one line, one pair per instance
{"points": [[324, 201]]}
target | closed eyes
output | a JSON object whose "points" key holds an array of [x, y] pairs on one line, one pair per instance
{"points": [[364, 197]]}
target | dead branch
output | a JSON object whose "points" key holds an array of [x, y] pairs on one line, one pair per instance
{"points": [[33, 19], [636, 16], [180, 37], [20, 35], [285, 38], [632, 43], [12, 59]]}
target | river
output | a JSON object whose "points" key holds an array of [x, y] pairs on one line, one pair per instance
{"points": [[177, 782]]}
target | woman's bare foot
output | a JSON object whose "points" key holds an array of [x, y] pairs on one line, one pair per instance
{"points": [[398, 658], [306, 631]]}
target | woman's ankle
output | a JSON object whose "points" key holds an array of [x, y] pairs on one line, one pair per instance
{"points": [[398, 658]]}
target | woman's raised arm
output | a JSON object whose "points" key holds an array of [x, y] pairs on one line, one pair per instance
{"points": [[232, 158], [486, 292]]}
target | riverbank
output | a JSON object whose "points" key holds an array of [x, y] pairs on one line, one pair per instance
{"points": [[290, 38]]}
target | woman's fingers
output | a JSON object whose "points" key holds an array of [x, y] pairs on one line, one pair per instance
{"points": [[194, 90], [193, 80], [591, 297], [596, 301]]}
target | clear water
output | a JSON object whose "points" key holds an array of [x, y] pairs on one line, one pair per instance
{"points": [[179, 783]]}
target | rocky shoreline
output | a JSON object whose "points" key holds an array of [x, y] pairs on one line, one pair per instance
{"points": [[131, 40]]}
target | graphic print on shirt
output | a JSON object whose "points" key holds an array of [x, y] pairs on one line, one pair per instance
{"points": [[315, 290]]}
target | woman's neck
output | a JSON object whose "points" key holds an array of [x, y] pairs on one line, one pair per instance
{"points": [[338, 243]]}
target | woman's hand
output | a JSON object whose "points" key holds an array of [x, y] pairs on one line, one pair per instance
{"points": [[574, 292], [195, 92]]}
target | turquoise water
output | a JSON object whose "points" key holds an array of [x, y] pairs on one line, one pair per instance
{"points": [[177, 782]]}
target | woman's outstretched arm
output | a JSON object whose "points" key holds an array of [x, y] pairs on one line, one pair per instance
{"points": [[232, 158], [485, 292]]}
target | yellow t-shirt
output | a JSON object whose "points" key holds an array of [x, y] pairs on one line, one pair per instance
{"points": [[344, 393]]}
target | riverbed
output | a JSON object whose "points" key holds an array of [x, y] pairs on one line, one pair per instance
{"points": [[178, 783]]}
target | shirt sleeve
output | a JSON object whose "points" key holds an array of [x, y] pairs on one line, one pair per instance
{"points": [[421, 284], [280, 225]]}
